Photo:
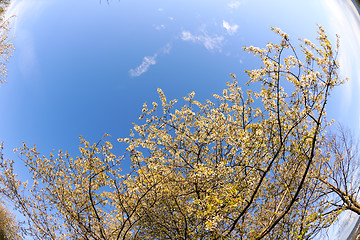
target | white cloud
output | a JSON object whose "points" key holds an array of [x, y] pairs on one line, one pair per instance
{"points": [[166, 49], [210, 43], [231, 29], [235, 4], [144, 66], [160, 27], [187, 36], [160, 9], [149, 60]]}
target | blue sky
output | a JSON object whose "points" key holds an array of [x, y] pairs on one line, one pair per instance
{"points": [[85, 68]]}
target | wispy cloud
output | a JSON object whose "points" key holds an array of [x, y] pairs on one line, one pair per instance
{"points": [[235, 4], [149, 60], [144, 66], [231, 29], [166, 49], [159, 27], [209, 42]]}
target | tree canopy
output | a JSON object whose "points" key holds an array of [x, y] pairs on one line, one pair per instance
{"points": [[8, 225], [6, 47], [249, 164]]}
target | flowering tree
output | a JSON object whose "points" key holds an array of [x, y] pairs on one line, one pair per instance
{"points": [[3, 5], [8, 226], [246, 165], [340, 174], [6, 47]]}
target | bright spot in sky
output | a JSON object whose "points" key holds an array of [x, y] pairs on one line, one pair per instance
{"points": [[345, 21]]}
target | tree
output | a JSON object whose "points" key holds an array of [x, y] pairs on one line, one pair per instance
{"points": [[3, 5], [247, 165], [8, 225], [9, 228], [6, 47], [340, 174]]}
